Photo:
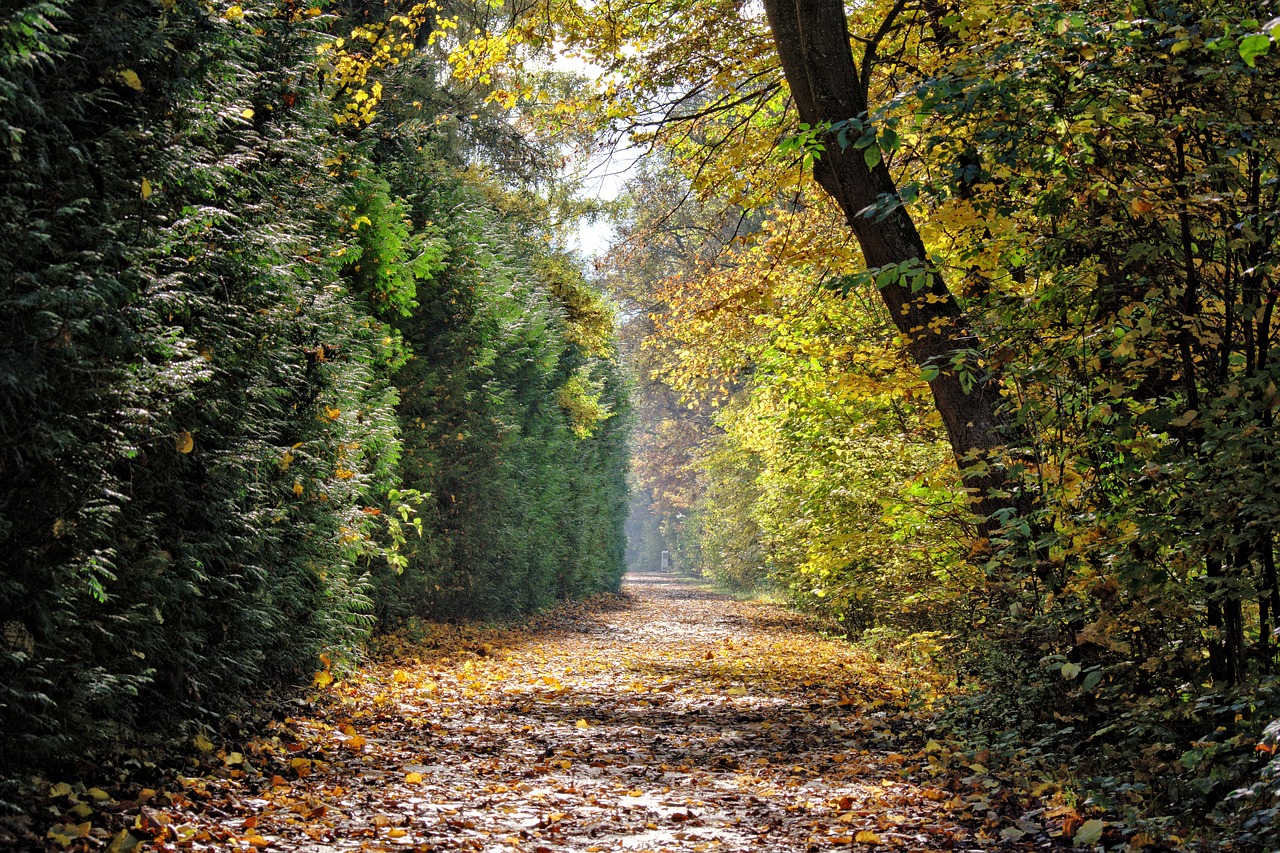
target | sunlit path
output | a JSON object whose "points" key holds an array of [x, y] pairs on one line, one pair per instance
{"points": [[668, 718]]}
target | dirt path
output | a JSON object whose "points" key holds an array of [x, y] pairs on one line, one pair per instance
{"points": [[666, 719]]}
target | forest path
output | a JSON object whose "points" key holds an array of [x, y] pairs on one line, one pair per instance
{"points": [[665, 719]]}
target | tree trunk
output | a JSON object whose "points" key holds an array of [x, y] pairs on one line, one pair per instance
{"points": [[812, 39]]}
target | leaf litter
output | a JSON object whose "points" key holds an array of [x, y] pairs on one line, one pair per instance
{"points": [[666, 718]]}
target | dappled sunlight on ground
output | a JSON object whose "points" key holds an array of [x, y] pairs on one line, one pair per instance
{"points": [[667, 718]]}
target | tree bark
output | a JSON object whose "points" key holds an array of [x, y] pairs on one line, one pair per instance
{"points": [[812, 39]]}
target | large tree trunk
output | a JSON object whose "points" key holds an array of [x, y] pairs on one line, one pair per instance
{"points": [[812, 38]]}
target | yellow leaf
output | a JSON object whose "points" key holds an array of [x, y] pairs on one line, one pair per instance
{"points": [[124, 842], [184, 442], [323, 678], [400, 676], [286, 461], [146, 188], [202, 743], [332, 413], [57, 835], [357, 741], [62, 789], [413, 778], [1141, 840], [297, 489], [235, 13], [1141, 205], [582, 724], [737, 691], [65, 834], [866, 836], [233, 759], [396, 832], [246, 113], [130, 79], [98, 794]]}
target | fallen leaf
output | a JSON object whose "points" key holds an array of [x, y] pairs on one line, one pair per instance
{"points": [[1089, 833], [124, 842]]}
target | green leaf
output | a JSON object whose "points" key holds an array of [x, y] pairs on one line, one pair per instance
{"points": [[1089, 833], [1070, 671], [1251, 47], [871, 154], [1091, 680], [929, 372]]}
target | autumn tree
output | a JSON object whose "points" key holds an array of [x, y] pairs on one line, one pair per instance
{"points": [[814, 46]]}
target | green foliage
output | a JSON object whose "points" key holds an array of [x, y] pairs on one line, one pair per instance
{"points": [[528, 489], [206, 293], [174, 375], [1121, 223], [508, 387]]}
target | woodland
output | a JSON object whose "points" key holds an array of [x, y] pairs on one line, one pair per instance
{"points": [[946, 324]]}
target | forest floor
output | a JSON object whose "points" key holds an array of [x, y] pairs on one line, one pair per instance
{"points": [[668, 718]]}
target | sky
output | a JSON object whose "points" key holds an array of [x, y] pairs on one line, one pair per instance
{"points": [[607, 175], [607, 171]]}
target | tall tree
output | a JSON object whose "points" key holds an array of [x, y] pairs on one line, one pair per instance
{"points": [[813, 44]]}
